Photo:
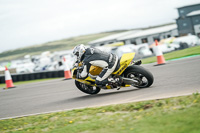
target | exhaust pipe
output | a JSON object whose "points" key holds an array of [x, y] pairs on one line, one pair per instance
{"points": [[130, 81]]}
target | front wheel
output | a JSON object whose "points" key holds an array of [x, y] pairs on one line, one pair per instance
{"points": [[141, 75], [87, 88]]}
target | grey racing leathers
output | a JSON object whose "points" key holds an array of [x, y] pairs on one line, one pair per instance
{"points": [[96, 57]]}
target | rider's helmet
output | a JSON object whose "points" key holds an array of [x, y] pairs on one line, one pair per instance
{"points": [[79, 50]]}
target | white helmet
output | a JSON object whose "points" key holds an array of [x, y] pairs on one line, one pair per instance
{"points": [[79, 50]]}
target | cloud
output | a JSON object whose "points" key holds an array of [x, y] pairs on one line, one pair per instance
{"points": [[31, 22]]}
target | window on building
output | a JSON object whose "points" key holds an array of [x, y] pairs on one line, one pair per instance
{"points": [[133, 42], [156, 38], [198, 34], [110, 42], [184, 24], [168, 36], [144, 40], [124, 42], [182, 11]]}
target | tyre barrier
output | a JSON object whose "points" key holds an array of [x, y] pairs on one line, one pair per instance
{"points": [[35, 75]]}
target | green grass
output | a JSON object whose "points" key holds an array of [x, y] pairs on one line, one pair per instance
{"points": [[176, 54], [172, 115], [3, 85]]}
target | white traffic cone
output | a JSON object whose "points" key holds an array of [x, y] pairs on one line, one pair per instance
{"points": [[159, 54], [8, 79], [67, 71]]}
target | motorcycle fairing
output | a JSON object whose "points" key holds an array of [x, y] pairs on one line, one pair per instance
{"points": [[124, 62]]}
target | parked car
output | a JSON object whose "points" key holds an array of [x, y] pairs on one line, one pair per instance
{"points": [[165, 48], [141, 50], [186, 41], [22, 66]]}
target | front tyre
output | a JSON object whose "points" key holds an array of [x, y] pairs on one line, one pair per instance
{"points": [[87, 88], [141, 75]]}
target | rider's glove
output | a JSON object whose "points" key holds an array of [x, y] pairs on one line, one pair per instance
{"points": [[76, 64]]}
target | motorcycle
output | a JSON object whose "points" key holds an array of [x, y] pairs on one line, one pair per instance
{"points": [[129, 73]]}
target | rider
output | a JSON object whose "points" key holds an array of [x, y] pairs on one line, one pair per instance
{"points": [[96, 57]]}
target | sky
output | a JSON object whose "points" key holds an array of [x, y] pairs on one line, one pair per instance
{"points": [[30, 22]]}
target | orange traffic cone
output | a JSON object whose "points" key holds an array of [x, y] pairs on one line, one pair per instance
{"points": [[67, 71], [159, 54], [8, 78]]}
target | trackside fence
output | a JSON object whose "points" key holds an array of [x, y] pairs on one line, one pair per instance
{"points": [[35, 75]]}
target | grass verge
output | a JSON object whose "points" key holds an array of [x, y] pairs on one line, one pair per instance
{"points": [[176, 54], [172, 115], [3, 85]]}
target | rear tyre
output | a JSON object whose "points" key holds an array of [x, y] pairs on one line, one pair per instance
{"points": [[87, 88], [138, 73]]}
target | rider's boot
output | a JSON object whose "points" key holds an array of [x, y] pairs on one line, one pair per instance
{"points": [[102, 83]]}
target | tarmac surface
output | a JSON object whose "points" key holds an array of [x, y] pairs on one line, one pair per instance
{"points": [[176, 78]]}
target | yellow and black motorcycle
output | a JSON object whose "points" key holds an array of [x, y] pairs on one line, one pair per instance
{"points": [[129, 73]]}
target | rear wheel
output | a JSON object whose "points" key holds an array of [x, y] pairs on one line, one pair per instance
{"points": [[141, 75], [87, 88]]}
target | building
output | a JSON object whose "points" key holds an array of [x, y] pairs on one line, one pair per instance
{"points": [[139, 36], [111, 38], [150, 35], [188, 21]]}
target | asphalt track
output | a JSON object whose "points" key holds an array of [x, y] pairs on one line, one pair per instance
{"points": [[179, 77]]}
